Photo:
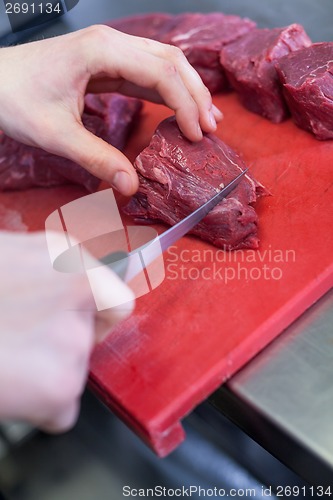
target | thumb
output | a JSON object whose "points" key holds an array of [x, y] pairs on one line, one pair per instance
{"points": [[99, 158]]}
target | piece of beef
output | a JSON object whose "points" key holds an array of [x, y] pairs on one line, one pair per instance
{"points": [[200, 36], [307, 78], [177, 176], [250, 62], [18, 166], [145, 25], [119, 114], [109, 116]]}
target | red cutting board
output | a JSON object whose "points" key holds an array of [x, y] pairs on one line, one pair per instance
{"points": [[214, 311]]}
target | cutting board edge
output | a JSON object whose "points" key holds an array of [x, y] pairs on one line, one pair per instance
{"points": [[161, 443], [164, 432]]}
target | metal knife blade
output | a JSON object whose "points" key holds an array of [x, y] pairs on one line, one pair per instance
{"points": [[175, 232], [127, 265]]}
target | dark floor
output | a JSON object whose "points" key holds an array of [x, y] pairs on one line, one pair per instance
{"points": [[100, 456]]}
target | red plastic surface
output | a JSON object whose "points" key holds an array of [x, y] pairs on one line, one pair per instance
{"points": [[215, 310]]}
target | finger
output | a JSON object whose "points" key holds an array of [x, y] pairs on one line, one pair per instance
{"points": [[64, 419], [193, 83], [97, 156], [159, 74], [115, 301], [217, 113], [106, 320], [164, 78], [105, 84], [200, 94], [189, 75]]}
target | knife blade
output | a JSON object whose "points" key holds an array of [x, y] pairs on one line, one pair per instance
{"points": [[129, 264]]}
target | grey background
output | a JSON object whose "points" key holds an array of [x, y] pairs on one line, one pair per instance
{"points": [[316, 16]]}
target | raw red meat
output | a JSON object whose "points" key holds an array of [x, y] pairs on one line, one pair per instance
{"points": [[177, 176], [249, 64], [145, 25], [109, 116], [23, 167], [200, 36], [118, 113], [307, 78]]}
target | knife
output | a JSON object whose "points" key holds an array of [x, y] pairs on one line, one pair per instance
{"points": [[128, 265]]}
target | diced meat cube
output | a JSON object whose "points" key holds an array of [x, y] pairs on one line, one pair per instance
{"points": [[199, 36], [250, 62], [24, 167], [119, 114], [144, 25], [177, 176], [307, 78]]}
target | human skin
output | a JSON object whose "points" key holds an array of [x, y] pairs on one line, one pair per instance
{"points": [[43, 86], [48, 328], [48, 321]]}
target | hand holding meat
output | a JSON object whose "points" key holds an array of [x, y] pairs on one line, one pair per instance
{"points": [[43, 86], [48, 328]]}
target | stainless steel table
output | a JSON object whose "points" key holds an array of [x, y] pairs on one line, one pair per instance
{"points": [[284, 397]]}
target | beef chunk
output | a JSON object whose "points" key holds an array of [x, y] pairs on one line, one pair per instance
{"points": [[177, 176], [119, 114], [307, 78], [249, 64], [145, 25], [199, 36], [22, 167], [109, 116]]}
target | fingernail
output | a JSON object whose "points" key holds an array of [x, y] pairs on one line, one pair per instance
{"points": [[212, 119], [217, 113], [122, 182], [199, 132]]}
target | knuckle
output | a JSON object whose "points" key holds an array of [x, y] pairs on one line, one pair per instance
{"points": [[91, 42], [92, 39], [96, 32], [149, 43], [170, 69], [176, 53]]}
